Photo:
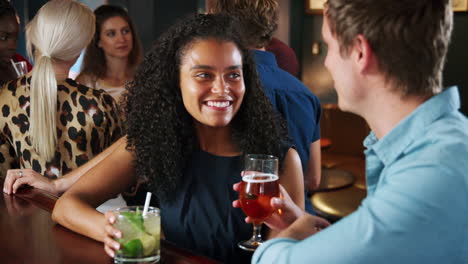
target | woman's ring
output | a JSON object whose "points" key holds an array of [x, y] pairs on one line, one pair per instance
{"points": [[21, 174]]}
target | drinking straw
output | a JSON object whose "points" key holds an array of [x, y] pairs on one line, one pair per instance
{"points": [[14, 67], [147, 202]]}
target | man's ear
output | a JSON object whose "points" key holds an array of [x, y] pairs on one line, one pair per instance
{"points": [[362, 54]]}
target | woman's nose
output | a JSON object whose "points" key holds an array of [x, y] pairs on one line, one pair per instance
{"points": [[121, 37], [220, 86]]}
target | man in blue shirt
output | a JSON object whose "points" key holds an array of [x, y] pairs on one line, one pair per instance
{"points": [[386, 58], [291, 98]]}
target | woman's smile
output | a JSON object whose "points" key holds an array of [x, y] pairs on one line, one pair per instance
{"points": [[219, 105], [211, 82]]}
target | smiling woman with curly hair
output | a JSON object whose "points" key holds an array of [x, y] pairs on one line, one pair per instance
{"points": [[194, 108]]}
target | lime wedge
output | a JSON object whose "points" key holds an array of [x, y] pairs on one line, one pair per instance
{"points": [[149, 245], [133, 248]]}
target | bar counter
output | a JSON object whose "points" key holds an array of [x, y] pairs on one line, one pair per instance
{"points": [[28, 235]]}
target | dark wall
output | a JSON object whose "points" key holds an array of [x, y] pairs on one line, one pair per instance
{"points": [[315, 76], [456, 68], [296, 22], [152, 17], [26, 10]]}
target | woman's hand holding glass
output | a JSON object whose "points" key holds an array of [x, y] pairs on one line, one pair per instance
{"points": [[132, 234], [110, 234]]}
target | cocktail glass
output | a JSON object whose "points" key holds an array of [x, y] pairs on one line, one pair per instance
{"points": [[140, 242]]}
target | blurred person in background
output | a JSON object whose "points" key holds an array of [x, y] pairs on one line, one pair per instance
{"points": [[114, 53], [292, 99], [50, 124], [9, 31], [285, 56]]}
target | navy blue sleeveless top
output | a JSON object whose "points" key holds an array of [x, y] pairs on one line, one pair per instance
{"points": [[201, 218]]}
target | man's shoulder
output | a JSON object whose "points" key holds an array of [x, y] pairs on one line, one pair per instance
{"points": [[440, 149], [449, 130]]}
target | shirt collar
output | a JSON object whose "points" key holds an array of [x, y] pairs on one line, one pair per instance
{"points": [[264, 57], [394, 143]]}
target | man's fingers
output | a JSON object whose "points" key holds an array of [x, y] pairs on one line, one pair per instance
{"points": [[277, 203], [283, 193], [236, 204], [322, 223], [236, 186]]}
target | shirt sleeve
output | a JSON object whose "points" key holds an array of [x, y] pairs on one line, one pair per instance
{"points": [[417, 216]]}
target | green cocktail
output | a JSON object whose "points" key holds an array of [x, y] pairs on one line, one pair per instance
{"points": [[140, 235]]}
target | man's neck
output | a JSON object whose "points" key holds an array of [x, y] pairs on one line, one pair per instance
{"points": [[386, 110]]}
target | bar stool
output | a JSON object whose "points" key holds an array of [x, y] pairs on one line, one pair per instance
{"points": [[334, 205], [335, 179], [325, 143]]}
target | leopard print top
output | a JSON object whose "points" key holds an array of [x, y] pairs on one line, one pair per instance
{"points": [[87, 122]]}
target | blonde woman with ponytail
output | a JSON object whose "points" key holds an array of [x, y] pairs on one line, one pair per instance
{"points": [[51, 125]]}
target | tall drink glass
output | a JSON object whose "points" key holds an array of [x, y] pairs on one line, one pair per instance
{"points": [[21, 68], [140, 242], [259, 184]]}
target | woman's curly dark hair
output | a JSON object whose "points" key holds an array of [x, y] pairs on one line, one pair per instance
{"points": [[160, 130]]}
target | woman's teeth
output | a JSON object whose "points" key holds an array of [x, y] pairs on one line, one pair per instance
{"points": [[218, 104]]}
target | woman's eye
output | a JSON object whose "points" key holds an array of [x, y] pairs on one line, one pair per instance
{"points": [[110, 34], [125, 31], [234, 75], [203, 75]]}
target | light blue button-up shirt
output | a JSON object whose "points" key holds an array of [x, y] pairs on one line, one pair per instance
{"points": [[416, 209]]}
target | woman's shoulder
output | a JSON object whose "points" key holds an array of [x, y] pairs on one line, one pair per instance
{"points": [[83, 94], [86, 79], [9, 89], [286, 145]]}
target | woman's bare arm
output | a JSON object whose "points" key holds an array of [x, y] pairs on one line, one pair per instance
{"points": [[314, 167], [110, 176], [64, 183]]}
